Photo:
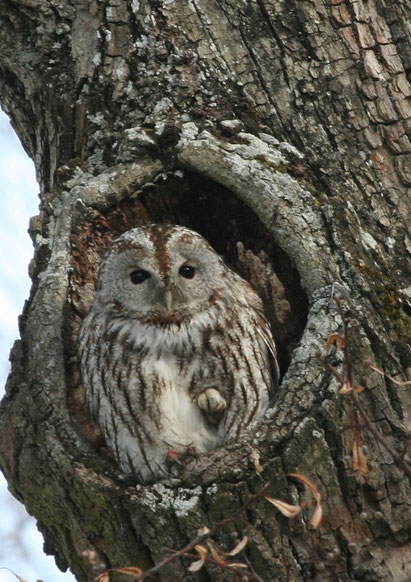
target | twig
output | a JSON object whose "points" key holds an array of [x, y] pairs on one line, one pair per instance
{"points": [[382, 373], [330, 367], [348, 379], [201, 538], [398, 457], [240, 572], [346, 320]]}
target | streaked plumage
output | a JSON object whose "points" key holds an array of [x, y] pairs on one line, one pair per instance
{"points": [[175, 352]]}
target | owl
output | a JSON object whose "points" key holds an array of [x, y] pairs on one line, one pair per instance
{"points": [[175, 353]]}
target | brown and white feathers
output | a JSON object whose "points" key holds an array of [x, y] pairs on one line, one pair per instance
{"points": [[175, 352]]}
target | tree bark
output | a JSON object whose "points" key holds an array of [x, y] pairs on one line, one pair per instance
{"points": [[278, 125]]}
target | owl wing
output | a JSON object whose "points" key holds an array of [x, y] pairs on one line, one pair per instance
{"points": [[264, 331], [261, 325]]}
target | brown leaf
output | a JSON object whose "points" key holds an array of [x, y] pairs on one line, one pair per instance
{"points": [[133, 571], [198, 564], [130, 570], [195, 566], [240, 546], [255, 457], [370, 364], [309, 484], [216, 553], [359, 460], [202, 550], [317, 515], [285, 508], [346, 388], [335, 338]]}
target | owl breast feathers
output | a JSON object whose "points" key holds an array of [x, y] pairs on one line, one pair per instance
{"points": [[175, 352]]}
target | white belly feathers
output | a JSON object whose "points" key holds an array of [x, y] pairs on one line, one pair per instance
{"points": [[183, 424]]}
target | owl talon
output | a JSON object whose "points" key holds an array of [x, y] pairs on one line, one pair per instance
{"points": [[174, 456], [213, 404]]}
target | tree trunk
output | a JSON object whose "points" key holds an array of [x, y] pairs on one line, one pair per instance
{"points": [[278, 125]]}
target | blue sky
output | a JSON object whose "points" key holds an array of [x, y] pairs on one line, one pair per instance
{"points": [[20, 542]]}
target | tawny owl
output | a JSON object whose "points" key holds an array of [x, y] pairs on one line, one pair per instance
{"points": [[175, 352]]}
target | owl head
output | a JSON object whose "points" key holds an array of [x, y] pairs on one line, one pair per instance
{"points": [[160, 273]]}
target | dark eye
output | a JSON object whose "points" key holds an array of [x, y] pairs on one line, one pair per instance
{"points": [[139, 276], [187, 272]]}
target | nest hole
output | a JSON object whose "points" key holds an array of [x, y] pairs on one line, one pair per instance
{"points": [[231, 227]]}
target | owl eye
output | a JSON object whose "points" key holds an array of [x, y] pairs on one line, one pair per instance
{"points": [[187, 272], [139, 276]]}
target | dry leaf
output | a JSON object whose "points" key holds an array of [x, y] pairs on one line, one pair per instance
{"points": [[285, 508], [309, 484], [195, 566], [346, 388], [335, 338], [198, 564], [255, 457], [216, 553], [240, 546], [130, 570], [359, 460], [369, 364], [317, 515], [202, 550]]}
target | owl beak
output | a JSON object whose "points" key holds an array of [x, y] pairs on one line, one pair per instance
{"points": [[168, 298]]}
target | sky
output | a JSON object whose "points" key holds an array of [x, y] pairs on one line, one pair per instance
{"points": [[20, 542]]}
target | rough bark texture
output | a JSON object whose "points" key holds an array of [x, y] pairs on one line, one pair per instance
{"points": [[279, 125]]}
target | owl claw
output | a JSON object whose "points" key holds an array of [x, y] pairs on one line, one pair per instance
{"points": [[212, 404], [174, 456]]}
